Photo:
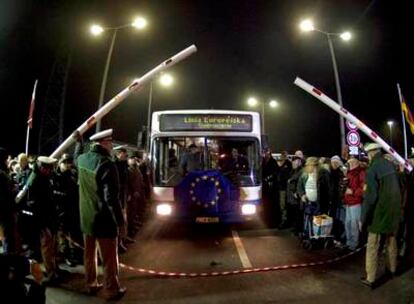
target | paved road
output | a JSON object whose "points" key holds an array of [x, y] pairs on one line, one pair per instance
{"points": [[182, 248]]}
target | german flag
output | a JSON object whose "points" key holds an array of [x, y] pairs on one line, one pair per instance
{"points": [[408, 116]]}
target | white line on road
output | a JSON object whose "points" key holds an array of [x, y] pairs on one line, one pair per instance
{"points": [[241, 251]]}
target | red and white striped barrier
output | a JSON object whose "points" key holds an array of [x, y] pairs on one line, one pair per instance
{"points": [[168, 274], [348, 115]]}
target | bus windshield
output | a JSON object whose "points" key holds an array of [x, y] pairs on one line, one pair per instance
{"points": [[237, 158]]}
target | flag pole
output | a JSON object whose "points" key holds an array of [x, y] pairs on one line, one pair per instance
{"points": [[403, 122], [30, 119], [27, 140]]}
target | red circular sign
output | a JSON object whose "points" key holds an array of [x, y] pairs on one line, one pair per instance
{"points": [[351, 126], [352, 138]]}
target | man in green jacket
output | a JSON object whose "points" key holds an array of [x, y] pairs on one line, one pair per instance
{"points": [[380, 211], [100, 214]]}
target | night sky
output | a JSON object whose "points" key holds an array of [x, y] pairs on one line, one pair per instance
{"points": [[244, 48]]}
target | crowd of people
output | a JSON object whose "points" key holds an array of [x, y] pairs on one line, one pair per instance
{"points": [[369, 197], [96, 199]]}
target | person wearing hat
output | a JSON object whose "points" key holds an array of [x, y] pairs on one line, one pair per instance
{"points": [[100, 214], [7, 206], [41, 203], [381, 210]]}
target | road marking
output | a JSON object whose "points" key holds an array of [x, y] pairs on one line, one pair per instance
{"points": [[240, 250]]}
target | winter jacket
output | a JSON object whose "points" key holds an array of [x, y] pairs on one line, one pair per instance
{"points": [[292, 185], [7, 205], [40, 199], [356, 181], [100, 209], [382, 197]]}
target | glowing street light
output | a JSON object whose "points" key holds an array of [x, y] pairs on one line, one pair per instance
{"points": [[96, 30], [346, 36], [253, 102], [139, 23], [308, 26], [273, 104], [166, 80]]}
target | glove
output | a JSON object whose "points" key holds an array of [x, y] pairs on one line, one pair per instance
{"points": [[77, 136]]}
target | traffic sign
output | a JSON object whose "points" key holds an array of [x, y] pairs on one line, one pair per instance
{"points": [[353, 138], [353, 150], [351, 126]]}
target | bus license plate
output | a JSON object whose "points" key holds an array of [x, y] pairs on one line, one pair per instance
{"points": [[207, 219]]}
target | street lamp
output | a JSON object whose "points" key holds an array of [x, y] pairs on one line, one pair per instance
{"points": [[390, 124], [253, 102], [96, 30], [166, 80], [308, 26]]}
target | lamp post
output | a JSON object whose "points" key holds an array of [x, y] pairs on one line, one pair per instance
{"points": [[166, 80], [307, 26], [96, 30], [390, 124], [252, 102]]}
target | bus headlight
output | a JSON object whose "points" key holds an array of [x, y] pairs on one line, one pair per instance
{"points": [[164, 209], [248, 209]]}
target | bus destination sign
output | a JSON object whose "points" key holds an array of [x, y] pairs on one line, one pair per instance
{"points": [[206, 122]]}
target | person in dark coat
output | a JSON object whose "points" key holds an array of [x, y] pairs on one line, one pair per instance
{"points": [[295, 208], [282, 177], [121, 162], [381, 210], [407, 224], [66, 195], [100, 214], [269, 171], [7, 206], [136, 197], [42, 205]]}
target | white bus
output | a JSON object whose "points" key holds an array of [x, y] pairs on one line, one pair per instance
{"points": [[206, 165]]}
